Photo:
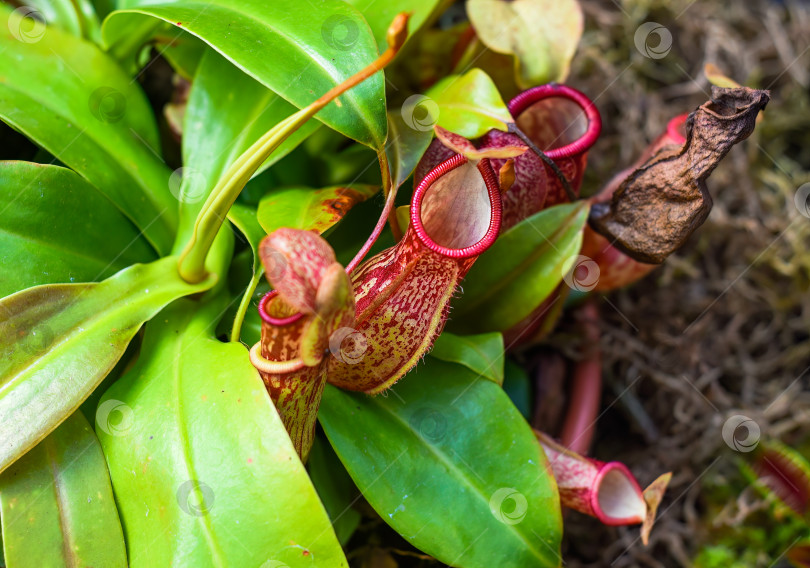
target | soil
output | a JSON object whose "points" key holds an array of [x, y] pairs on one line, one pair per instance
{"points": [[722, 327]]}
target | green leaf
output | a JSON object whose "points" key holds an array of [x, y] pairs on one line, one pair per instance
{"points": [[541, 34], [335, 488], [60, 340], [297, 49], [57, 503], [74, 101], [244, 218], [469, 104], [227, 112], [183, 51], [40, 244], [405, 146], [77, 17], [310, 209], [516, 386], [521, 269], [379, 16], [482, 354], [204, 472], [451, 465]]}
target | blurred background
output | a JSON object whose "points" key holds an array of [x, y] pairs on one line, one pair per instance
{"points": [[723, 327]]}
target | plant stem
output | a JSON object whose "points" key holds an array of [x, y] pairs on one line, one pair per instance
{"points": [[192, 261], [238, 320], [390, 198], [586, 391]]}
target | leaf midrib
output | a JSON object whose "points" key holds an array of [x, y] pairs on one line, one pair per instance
{"points": [[467, 481], [179, 349], [64, 521], [321, 63], [121, 171], [64, 250], [507, 280]]}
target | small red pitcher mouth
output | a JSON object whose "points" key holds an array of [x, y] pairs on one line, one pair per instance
{"points": [[591, 130], [267, 318], [493, 193]]}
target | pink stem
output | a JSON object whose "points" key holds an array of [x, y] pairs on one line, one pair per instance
{"points": [[378, 228], [580, 420]]}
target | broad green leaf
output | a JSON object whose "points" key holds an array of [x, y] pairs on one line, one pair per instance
{"points": [[227, 112], [103, 7], [204, 472], [380, 15], [516, 386], [521, 269], [310, 209], [469, 105], [77, 17], [56, 227], [541, 34], [57, 503], [405, 146], [182, 50], [297, 49], [482, 354], [132, 47], [451, 465], [60, 340], [73, 100], [335, 488]]}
